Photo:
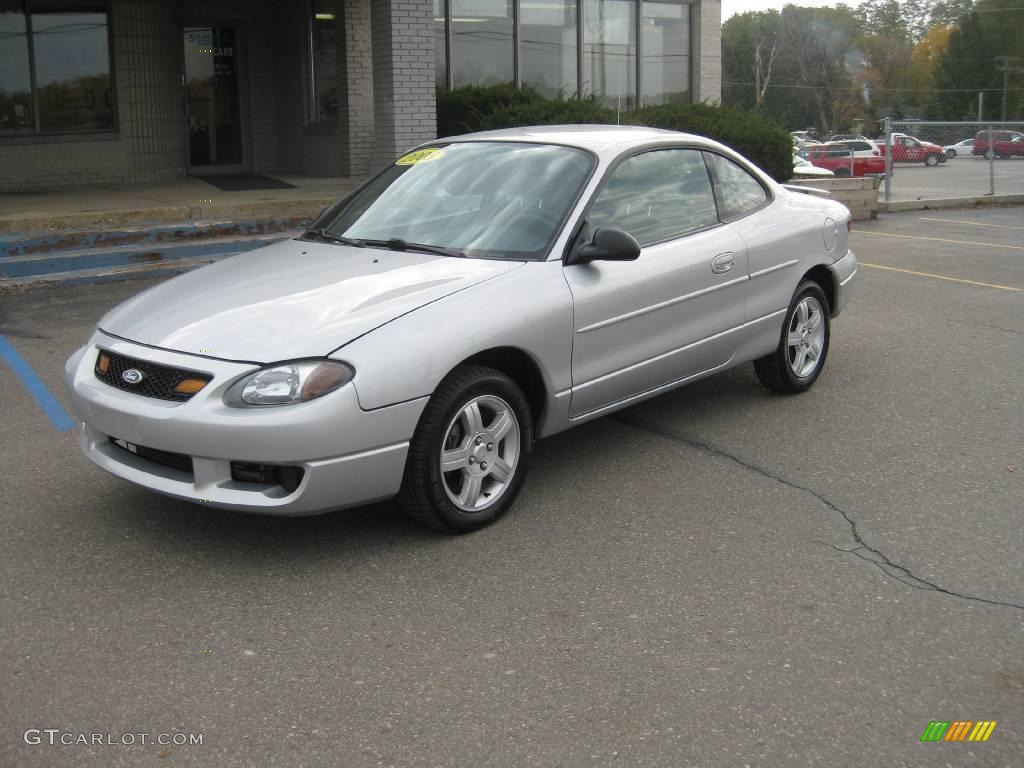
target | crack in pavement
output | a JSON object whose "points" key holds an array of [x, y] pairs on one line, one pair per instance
{"points": [[862, 550]]}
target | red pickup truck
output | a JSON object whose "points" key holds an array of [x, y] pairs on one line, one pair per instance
{"points": [[842, 162], [907, 149]]}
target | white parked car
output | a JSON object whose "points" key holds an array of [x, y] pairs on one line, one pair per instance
{"points": [[479, 293], [965, 147], [804, 168]]}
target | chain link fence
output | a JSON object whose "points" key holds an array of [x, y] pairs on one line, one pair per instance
{"points": [[933, 160]]}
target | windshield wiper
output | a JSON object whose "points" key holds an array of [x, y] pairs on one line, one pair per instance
{"points": [[398, 244], [325, 234]]}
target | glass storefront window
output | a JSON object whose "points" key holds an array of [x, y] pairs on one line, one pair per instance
{"points": [[69, 85], [440, 43], [633, 51], [15, 83], [547, 46], [665, 46], [323, 97], [609, 52], [72, 56], [482, 36]]}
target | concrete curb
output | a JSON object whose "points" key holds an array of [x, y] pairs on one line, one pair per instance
{"points": [[242, 211], [981, 201]]}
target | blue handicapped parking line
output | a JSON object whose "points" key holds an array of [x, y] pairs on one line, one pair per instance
{"points": [[34, 386]]}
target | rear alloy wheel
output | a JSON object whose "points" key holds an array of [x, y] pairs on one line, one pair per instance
{"points": [[951, 154], [468, 457], [931, 160], [797, 362]]}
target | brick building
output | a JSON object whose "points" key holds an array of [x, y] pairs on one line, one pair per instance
{"points": [[141, 91]]}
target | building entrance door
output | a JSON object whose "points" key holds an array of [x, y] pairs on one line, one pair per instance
{"points": [[215, 117]]}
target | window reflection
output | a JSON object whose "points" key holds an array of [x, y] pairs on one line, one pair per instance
{"points": [[656, 196], [547, 34], [482, 42], [609, 52], [72, 58], [324, 41], [15, 85], [440, 44], [665, 69]]}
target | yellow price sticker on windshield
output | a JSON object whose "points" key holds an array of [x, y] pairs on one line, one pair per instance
{"points": [[421, 156]]}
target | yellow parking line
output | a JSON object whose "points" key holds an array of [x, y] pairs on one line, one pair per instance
{"points": [[937, 240], [942, 277], [972, 223]]}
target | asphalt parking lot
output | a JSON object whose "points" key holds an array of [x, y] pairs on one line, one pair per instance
{"points": [[964, 176], [718, 577]]}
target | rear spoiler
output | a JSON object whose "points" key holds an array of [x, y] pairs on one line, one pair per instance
{"points": [[807, 190]]}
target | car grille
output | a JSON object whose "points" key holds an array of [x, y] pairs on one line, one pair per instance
{"points": [[177, 461], [157, 381]]}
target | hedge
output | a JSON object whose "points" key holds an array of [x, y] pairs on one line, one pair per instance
{"points": [[762, 141], [483, 108]]}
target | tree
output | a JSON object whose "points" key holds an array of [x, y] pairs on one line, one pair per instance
{"points": [[968, 66]]}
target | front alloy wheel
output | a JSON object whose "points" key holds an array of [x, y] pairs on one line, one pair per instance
{"points": [[480, 453], [931, 159], [468, 457], [798, 359]]}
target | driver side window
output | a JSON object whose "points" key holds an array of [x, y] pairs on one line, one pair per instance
{"points": [[657, 196]]}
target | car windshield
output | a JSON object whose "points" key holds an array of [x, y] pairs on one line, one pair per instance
{"points": [[492, 199]]}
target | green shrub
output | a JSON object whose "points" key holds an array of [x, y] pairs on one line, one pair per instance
{"points": [[545, 112], [467, 109], [760, 140], [484, 108]]}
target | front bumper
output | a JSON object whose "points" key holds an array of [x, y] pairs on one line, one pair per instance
{"points": [[844, 277], [348, 456]]}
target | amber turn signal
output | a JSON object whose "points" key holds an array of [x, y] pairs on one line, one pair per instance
{"points": [[189, 386], [103, 363]]}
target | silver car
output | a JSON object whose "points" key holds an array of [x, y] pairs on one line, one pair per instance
{"points": [[480, 293]]}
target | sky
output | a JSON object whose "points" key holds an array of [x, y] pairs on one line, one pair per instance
{"points": [[730, 7]]}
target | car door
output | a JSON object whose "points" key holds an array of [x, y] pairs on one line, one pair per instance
{"points": [[773, 244], [645, 324], [914, 151]]}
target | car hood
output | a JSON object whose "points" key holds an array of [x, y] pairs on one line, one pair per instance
{"points": [[290, 300]]}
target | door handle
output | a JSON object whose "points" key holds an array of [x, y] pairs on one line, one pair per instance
{"points": [[723, 262]]}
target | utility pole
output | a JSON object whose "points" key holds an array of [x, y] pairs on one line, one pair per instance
{"points": [[1007, 64]]}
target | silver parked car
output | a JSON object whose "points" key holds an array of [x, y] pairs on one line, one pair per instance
{"points": [[478, 294]]}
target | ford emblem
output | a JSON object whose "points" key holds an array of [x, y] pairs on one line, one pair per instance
{"points": [[133, 376]]}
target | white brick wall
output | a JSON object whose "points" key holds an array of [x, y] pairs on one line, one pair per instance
{"points": [[709, 50], [403, 76]]}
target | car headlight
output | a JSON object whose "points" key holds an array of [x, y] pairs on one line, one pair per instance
{"points": [[289, 383]]}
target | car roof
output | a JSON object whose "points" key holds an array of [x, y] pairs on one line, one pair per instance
{"points": [[597, 138]]}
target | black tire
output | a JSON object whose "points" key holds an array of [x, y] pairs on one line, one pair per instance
{"points": [[841, 172], [931, 160], [775, 370], [423, 495], [951, 154]]}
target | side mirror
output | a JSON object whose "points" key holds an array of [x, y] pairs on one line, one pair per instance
{"points": [[607, 244]]}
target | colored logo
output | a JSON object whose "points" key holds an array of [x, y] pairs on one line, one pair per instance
{"points": [[958, 730], [132, 376]]}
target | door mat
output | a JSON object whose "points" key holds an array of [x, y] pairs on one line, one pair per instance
{"points": [[241, 182]]}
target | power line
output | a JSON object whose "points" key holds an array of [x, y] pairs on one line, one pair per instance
{"points": [[874, 90]]}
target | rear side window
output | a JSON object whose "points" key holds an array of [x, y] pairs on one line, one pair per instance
{"points": [[739, 192], [656, 196]]}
